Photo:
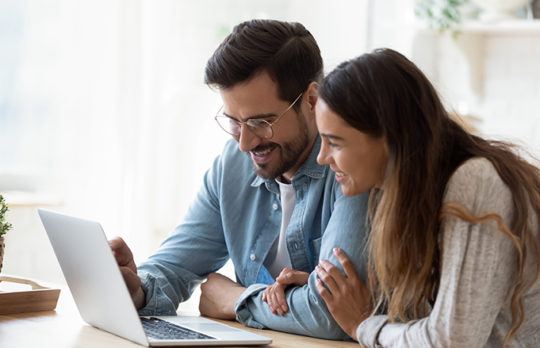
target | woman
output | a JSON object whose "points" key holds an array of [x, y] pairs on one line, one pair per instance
{"points": [[454, 243]]}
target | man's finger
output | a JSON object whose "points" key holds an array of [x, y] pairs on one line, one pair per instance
{"points": [[121, 251], [299, 278], [132, 280], [281, 302], [276, 302]]}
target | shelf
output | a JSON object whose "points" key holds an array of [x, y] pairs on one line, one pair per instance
{"points": [[510, 27], [517, 26]]}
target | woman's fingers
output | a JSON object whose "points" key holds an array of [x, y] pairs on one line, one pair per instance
{"points": [[323, 270], [325, 294], [332, 270], [346, 263], [334, 279]]}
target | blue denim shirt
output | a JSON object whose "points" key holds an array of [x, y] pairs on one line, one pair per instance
{"points": [[237, 215]]}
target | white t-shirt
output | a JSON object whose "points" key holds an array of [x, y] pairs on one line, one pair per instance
{"points": [[278, 257]]}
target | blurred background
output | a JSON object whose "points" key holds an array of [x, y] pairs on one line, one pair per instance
{"points": [[104, 113]]}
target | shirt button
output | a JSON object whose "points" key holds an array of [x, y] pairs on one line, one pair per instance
{"points": [[252, 257], [275, 206], [295, 246]]}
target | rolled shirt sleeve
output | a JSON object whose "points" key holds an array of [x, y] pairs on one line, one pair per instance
{"points": [[307, 313]]}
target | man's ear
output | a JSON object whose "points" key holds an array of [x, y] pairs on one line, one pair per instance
{"points": [[312, 96]]}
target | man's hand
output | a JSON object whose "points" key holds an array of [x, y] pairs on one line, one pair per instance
{"points": [[347, 297], [218, 296], [274, 294], [125, 261]]}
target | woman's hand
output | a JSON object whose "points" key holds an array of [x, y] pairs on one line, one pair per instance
{"points": [[347, 297], [274, 294]]}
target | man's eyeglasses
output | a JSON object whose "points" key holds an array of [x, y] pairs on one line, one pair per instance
{"points": [[260, 127]]}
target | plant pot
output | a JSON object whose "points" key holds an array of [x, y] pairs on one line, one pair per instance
{"points": [[536, 9], [2, 247]]}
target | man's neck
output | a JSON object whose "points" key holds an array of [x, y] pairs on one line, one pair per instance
{"points": [[287, 176], [282, 179]]}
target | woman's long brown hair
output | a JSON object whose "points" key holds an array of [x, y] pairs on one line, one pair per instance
{"points": [[384, 94]]}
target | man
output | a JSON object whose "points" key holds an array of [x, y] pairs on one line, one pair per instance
{"points": [[274, 208]]}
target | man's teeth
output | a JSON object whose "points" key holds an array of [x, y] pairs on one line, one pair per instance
{"points": [[262, 153], [340, 174]]}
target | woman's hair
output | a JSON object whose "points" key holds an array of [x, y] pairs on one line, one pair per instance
{"points": [[383, 94], [285, 50]]}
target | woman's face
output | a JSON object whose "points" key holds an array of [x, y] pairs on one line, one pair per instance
{"points": [[358, 159]]}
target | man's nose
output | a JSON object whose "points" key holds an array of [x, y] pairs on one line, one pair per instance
{"points": [[247, 139]]}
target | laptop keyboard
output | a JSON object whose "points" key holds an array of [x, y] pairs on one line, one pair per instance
{"points": [[164, 330]]}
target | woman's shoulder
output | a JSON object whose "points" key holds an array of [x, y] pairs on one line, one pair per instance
{"points": [[474, 167], [473, 172], [476, 183]]}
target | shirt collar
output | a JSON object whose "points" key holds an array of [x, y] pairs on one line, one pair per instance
{"points": [[310, 167]]}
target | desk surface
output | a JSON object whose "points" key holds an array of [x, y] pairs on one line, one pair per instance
{"points": [[64, 328]]}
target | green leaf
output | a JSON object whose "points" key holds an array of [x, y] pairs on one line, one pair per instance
{"points": [[4, 226]]}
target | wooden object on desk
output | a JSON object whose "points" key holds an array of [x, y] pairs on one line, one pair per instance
{"points": [[37, 298]]}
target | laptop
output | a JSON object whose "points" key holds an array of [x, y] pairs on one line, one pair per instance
{"points": [[103, 299]]}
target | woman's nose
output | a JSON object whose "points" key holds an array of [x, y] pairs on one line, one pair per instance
{"points": [[322, 157]]}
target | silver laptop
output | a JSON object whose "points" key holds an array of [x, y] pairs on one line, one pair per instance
{"points": [[102, 297]]}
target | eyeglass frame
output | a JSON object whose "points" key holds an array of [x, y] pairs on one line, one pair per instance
{"points": [[251, 128]]}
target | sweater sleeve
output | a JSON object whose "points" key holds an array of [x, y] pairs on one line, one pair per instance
{"points": [[478, 262]]}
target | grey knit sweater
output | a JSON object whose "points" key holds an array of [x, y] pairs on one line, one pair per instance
{"points": [[478, 266]]}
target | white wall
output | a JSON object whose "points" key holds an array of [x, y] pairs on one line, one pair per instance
{"points": [[103, 107], [489, 71]]}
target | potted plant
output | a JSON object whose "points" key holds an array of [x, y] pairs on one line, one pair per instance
{"points": [[4, 227], [441, 14]]}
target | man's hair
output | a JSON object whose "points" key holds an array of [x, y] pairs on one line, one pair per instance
{"points": [[286, 51]]}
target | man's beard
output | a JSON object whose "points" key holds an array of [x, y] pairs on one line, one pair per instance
{"points": [[291, 153]]}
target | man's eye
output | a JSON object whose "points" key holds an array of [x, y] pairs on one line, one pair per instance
{"points": [[234, 123], [257, 123]]}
